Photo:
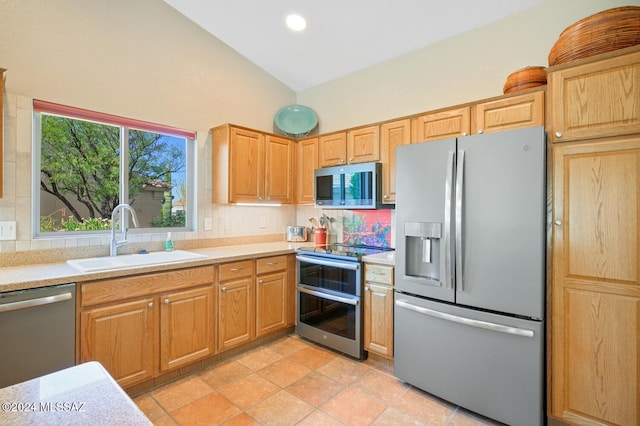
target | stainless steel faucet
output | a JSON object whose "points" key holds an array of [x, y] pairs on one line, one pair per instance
{"points": [[113, 249]]}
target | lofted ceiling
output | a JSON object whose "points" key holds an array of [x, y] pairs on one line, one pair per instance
{"points": [[342, 36]]}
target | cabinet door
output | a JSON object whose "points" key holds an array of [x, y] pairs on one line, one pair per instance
{"points": [[392, 135], [595, 292], [332, 149], [186, 327], [236, 313], [596, 99], [122, 338], [440, 125], [363, 145], [246, 158], [306, 164], [378, 319], [509, 113], [278, 179], [270, 302]]}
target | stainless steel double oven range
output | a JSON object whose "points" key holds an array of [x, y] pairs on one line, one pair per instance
{"points": [[329, 293]]}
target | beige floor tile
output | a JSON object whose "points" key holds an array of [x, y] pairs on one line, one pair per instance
{"points": [[242, 419], [288, 345], [386, 388], [149, 407], [280, 409], [354, 408], [318, 418], [224, 373], [420, 404], [284, 372], [182, 392], [344, 370], [462, 417], [315, 388], [394, 417], [166, 420], [248, 391], [213, 409], [312, 357], [259, 358]]}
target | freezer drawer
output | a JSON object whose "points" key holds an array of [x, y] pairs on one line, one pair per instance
{"points": [[487, 363]]}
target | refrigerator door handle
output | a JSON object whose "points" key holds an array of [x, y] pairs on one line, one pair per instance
{"points": [[446, 268], [459, 199], [465, 321]]}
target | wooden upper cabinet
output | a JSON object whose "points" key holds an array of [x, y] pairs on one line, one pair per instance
{"points": [[450, 123], [392, 135], [307, 162], [332, 149], [363, 145], [250, 166], [595, 99], [514, 112], [1, 131], [595, 291], [278, 179]]}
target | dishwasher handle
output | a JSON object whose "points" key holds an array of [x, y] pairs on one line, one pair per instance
{"points": [[30, 303]]}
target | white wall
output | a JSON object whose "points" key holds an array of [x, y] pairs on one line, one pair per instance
{"points": [[139, 59], [465, 68]]}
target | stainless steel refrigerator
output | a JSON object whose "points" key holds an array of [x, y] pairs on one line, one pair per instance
{"points": [[470, 272]]}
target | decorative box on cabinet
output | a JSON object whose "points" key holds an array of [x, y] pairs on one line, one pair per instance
{"points": [[131, 325], [378, 309]]}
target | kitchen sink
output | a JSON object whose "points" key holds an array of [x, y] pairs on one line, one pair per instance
{"points": [[131, 260]]}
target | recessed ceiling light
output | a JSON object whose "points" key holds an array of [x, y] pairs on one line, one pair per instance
{"points": [[296, 22]]}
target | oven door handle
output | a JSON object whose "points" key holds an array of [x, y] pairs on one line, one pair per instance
{"points": [[328, 296], [354, 266]]}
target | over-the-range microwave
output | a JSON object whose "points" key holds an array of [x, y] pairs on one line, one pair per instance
{"points": [[353, 186]]}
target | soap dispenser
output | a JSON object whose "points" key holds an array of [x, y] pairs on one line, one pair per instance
{"points": [[168, 244]]}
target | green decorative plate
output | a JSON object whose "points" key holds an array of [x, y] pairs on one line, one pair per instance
{"points": [[296, 120]]}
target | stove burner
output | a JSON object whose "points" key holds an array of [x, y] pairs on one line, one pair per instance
{"points": [[342, 251]]}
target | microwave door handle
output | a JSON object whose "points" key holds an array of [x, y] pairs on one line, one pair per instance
{"points": [[446, 268]]}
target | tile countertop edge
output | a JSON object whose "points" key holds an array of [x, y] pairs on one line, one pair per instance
{"points": [[385, 258], [26, 277]]}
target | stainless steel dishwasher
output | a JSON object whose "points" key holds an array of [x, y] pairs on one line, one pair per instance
{"points": [[37, 332]]}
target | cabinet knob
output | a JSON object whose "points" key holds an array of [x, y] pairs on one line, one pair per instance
{"points": [[151, 304], [234, 269], [385, 197], [558, 223], [464, 133], [342, 160], [166, 301], [558, 135], [224, 289], [366, 288], [260, 281], [480, 131]]}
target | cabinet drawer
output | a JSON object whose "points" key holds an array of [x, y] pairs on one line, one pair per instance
{"points": [[233, 270], [110, 290], [378, 273], [271, 264]]}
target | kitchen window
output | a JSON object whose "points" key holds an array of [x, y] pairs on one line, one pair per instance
{"points": [[87, 163]]}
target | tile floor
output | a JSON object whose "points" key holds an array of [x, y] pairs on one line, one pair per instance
{"points": [[293, 382]]}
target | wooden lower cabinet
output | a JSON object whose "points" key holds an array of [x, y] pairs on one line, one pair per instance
{"points": [[271, 294], [236, 313], [378, 309], [186, 327], [594, 353], [137, 331], [123, 338]]}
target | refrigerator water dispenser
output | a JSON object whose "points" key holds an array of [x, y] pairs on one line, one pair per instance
{"points": [[422, 258]]}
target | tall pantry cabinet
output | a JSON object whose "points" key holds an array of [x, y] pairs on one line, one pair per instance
{"points": [[594, 333]]}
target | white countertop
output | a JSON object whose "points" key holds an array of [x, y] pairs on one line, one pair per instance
{"points": [[84, 395], [385, 258], [34, 276]]}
